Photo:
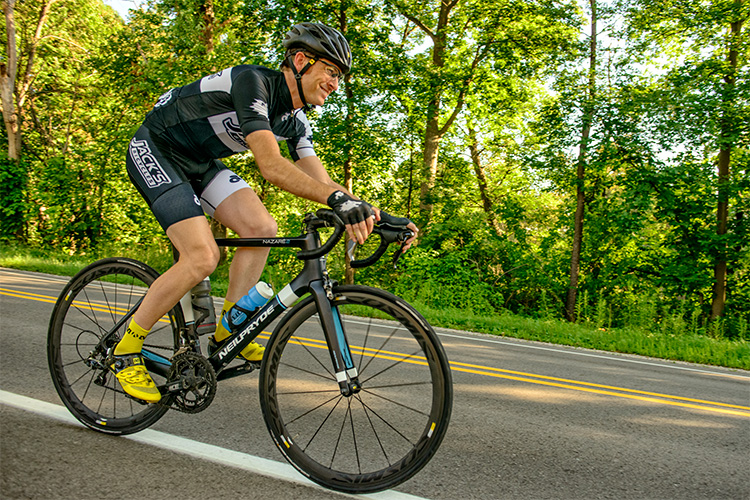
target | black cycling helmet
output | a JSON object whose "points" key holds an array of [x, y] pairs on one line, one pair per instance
{"points": [[323, 41]]}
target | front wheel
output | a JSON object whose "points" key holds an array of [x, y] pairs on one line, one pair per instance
{"points": [[79, 339], [380, 436]]}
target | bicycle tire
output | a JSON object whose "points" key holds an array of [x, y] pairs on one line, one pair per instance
{"points": [[379, 437], [88, 307]]}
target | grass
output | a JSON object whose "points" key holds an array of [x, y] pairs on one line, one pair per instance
{"points": [[686, 347]]}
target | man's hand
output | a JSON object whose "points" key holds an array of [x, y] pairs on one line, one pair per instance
{"points": [[411, 240], [358, 215]]}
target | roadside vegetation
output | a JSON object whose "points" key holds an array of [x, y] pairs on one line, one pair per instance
{"points": [[670, 339]]}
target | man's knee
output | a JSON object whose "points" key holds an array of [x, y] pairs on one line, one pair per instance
{"points": [[201, 260], [263, 226]]}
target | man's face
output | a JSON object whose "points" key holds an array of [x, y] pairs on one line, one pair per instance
{"points": [[320, 80]]}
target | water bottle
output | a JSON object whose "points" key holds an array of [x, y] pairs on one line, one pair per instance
{"points": [[240, 314], [203, 306]]}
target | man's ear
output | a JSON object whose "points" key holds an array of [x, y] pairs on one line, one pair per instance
{"points": [[300, 60]]}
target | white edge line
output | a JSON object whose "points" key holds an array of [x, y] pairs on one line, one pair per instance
{"points": [[185, 446], [611, 357]]}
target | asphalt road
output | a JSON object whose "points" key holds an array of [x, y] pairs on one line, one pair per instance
{"points": [[530, 420]]}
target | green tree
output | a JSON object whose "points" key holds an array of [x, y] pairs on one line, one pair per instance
{"points": [[708, 86], [515, 39], [64, 120]]}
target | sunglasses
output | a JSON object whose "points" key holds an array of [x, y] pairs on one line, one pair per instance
{"points": [[332, 71]]}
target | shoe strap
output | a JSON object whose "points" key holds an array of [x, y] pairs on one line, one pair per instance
{"points": [[124, 361]]}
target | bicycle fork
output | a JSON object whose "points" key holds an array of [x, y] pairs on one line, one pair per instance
{"points": [[338, 346]]}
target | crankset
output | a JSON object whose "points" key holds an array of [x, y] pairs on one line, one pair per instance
{"points": [[191, 382]]}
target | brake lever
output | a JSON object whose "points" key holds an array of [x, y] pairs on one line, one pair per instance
{"points": [[351, 245], [404, 237], [397, 255]]}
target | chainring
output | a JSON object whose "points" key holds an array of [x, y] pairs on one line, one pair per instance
{"points": [[191, 382]]}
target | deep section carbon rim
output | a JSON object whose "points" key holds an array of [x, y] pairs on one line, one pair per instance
{"points": [[89, 307], [380, 436]]}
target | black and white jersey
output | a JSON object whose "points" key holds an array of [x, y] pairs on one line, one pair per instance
{"points": [[210, 118]]}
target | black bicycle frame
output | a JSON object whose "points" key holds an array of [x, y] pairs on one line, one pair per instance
{"points": [[312, 279]]}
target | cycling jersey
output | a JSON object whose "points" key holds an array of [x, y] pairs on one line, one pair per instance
{"points": [[211, 117], [173, 158]]}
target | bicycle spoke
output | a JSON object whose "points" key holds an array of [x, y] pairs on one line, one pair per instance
{"points": [[386, 422], [396, 403], [296, 341], [324, 377], [364, 344], [374, 431], [409, 384], [380, 349], [323, 423], [396, 363]]}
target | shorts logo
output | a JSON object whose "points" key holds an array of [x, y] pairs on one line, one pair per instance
{"points": [[196, 200], [234, 179], [144, 160]]}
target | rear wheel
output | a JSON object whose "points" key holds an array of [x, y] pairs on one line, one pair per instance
{"points": [[88, 308], [380, 436]]}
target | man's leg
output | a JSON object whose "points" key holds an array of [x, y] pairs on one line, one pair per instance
{"points": [[198, 258], [244, 213]]}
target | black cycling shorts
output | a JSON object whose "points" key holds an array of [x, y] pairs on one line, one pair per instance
{"points": [[175, 186]]}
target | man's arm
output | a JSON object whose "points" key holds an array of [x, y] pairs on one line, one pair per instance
{"points": [[309, 181], [313, 167], [281, 172]]}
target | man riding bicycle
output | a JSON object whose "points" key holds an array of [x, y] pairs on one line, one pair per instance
{"points": [[173, 160]]}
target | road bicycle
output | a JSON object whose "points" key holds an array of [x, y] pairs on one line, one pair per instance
{"points": [[355, 387]]}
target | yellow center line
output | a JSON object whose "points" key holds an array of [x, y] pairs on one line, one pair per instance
{"points": [[563, 383], [26, 295], [472, 369]]}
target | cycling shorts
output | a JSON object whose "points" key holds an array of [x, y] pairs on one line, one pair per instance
{"points": [[175, 186]]}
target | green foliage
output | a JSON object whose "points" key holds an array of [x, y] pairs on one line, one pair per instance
{"points": [[513, 80], [12, 192]]}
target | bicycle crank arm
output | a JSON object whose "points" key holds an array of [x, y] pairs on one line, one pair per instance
{"points": [[247, 367]]}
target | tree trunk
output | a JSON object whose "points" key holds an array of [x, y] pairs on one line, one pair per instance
{"points": [[349, 134], [434, 131], [728, 126], [482, 181], [588, 116], [430, 164], [8, 72], [208, 18]]}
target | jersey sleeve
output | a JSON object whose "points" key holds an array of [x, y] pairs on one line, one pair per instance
{"points": [[301, 146], [251, 96]]}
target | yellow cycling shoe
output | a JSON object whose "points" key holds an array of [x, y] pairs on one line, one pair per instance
{"points": [[134, 378], [253, 352]]}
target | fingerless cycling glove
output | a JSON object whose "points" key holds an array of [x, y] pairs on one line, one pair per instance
{"points": [[349, 210]]}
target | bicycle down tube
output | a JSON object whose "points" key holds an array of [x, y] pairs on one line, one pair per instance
{"points": [[312, 279]]}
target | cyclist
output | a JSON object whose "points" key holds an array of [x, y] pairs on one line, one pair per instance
{"points": [[173, 160]]}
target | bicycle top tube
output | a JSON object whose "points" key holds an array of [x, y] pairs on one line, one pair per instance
{"points": [[390, 229]]}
